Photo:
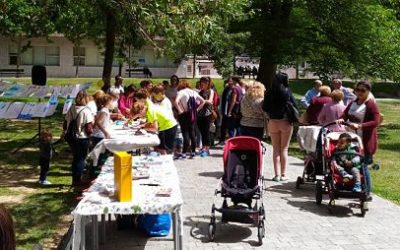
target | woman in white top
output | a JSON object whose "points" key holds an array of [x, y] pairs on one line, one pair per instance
{"points": [[84, 118], [188, 102], [102, 123]]}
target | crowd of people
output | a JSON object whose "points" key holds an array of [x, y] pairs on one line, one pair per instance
{"points": [[185, 117]]}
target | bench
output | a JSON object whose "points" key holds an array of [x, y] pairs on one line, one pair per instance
{"points": [[11, 72], [139, 71]]}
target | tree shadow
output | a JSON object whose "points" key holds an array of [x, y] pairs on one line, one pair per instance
{"points": [[304, 199], [225, 232], [215, 174]]}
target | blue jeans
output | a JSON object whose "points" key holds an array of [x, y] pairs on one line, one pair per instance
{"points": [[79, 153], [368, 159]]}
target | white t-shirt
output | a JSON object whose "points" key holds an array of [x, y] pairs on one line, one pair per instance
{"points": [[92, 106], [165, 106], [105, 124], [119, 89], [357, 114], [171, 93], [85, 117], [184, 95]]}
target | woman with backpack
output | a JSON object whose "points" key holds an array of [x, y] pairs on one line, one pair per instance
{"points": [[276, 102], [77, 129], [188, 102]]}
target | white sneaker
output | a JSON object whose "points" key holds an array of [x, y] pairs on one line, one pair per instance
{"points": [[45, 182], [276, 178], [284, 178]]}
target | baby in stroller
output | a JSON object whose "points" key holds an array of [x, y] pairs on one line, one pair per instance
{"points": [[349, 164]]}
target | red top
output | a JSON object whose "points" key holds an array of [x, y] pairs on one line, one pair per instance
{"points": [[316, 105], [369, 126]]}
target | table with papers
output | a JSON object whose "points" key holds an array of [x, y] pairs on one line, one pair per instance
{"points": [[148, 197], [124, 139]]}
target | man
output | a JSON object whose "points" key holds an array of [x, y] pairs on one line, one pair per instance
{"points": [[117, 88], [310, 94], [348, 93]]}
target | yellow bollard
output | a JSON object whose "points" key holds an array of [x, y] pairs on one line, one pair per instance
{"points": [[123, 176]]}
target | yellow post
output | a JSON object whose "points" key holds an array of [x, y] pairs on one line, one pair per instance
{"points": [[123, 176]]}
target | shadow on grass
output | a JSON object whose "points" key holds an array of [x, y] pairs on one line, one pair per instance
{"points": [[44, 209]]}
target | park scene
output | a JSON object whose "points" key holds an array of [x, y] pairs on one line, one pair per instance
{"points": [[229, 124]]}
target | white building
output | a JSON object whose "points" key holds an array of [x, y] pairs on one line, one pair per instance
{"points": [[60, 58]]}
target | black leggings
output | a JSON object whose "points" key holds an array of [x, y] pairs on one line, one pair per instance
{"points": [[204, 126], [188, 133]]}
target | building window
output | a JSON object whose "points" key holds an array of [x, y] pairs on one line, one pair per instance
{"points": [[53, 56], [12, 55], [79, 54], [189, 69]]}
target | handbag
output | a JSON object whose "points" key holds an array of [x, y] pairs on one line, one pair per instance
{"points": [[292, 112]]}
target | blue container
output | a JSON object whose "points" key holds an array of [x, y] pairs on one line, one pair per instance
{"points": [[155, 224]]}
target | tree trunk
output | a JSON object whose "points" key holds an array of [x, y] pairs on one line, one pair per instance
{"points": [[19, 49], [266, 71], [120, 69], [79, 58], [194, 66], [297, 70], [109, 53]]}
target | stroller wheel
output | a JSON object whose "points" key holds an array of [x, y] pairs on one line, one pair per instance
{"points": [[318, 192], [261, 233], [211, 230], [299, 181], [364, 208]]}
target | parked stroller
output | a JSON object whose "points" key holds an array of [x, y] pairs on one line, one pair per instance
{"points": [[242, 184], [308, 137], [333, 183]]}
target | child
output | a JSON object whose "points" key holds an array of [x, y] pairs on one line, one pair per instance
{"points": [[102, 124], [178, 144], [348, 163], [46, 150]]}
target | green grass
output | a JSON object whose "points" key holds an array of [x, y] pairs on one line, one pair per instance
{"points": [[39, 215]]}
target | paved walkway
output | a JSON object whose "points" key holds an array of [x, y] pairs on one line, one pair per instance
{"points": [[293, 220]]}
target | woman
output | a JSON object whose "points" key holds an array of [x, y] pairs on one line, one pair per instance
{"points": [[253, 118], [7, 233], [332, 111], [159, 99], [204, 115], [184, 101], [317, 103], [84, 119], [364, 117], [125, 101], [158, 121], [280, 129], [171, 91]]}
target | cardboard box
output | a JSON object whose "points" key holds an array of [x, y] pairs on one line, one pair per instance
{"points": [[123, 176]]}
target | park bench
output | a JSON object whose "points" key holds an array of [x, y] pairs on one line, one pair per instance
{"points": [[139, 71], [11, 72]]}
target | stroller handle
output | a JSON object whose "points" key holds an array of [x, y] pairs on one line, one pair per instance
{"points": [[334, 123], [350, 153]]}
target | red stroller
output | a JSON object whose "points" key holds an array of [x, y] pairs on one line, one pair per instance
{"points": [[242, 183], [334, 184]]}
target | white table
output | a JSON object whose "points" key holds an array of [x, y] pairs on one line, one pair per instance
{"points": [[123, 139], [99, 199]]}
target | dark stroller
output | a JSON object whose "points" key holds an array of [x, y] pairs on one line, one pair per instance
{"points": [[333, 183], [308, 138], [242, 183]]}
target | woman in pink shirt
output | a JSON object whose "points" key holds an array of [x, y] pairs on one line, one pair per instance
{"points": [[126, 101], [332, 111]]}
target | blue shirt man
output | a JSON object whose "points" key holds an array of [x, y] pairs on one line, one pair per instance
{"points": [[348, 94], [306, 100]]}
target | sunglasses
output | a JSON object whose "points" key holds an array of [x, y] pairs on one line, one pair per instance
{"points": [[360, 90]]}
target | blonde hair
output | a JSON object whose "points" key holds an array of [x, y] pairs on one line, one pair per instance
{"points": [[137, 108], [98, 94], [255, 90], [325, 90], [337, 95]]}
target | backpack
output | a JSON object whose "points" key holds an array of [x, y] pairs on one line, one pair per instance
{"points": [[71, 135], [192, 109], [216, 100]]}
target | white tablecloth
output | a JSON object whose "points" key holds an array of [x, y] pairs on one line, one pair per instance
{"points": [[100, 197], [307, 137], [123, 139]]}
